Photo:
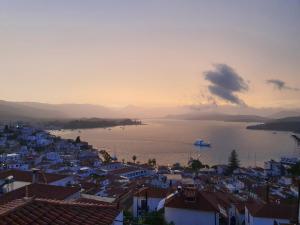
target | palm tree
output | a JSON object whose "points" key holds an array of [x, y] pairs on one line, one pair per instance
{"points": [[134, 158]]}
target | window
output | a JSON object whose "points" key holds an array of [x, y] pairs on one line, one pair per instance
{"points": [[143, 204]]}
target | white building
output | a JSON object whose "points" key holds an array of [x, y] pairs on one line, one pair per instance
{"points": [[234, 185], [53, 156], [147, 199], [130, 172], [112, 166], [18, 178], [190, 207], [9, 157], [268, 214], [273, 168]]}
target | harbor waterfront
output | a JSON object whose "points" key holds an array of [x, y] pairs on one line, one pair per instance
{"points": [[170, 141]]}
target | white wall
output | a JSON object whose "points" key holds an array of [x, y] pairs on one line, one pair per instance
{"points": [[267, 221], [261, 221], [119, 219], [152, 204], [190, 217]]}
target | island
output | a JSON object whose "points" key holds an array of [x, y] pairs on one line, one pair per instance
{"points": [[291, 124], [86, 123]]}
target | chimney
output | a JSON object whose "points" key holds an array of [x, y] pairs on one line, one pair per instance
{"points": [[190, 194], [35, 173]]}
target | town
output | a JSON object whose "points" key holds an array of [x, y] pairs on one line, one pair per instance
{"points": [[53, 180]]}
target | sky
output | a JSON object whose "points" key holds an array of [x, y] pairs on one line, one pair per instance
{"points": [[151, 53]]}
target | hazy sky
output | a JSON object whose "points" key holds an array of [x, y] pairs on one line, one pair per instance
{"points": [[150, 52]]}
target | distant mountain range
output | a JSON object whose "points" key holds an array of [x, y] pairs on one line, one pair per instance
{"points": [[32, 110], [38, 111], [220, 117]]}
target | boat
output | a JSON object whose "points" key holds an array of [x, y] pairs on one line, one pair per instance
{"points": [[201, 143]]}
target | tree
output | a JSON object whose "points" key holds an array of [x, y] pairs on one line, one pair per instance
{"points": [[155, 218], [78, 139], [294, 170], [152, 162], [150, 218], [134, 158], [233, 161], [195, 164]]}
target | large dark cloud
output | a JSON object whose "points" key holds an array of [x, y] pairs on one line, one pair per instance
{"points": [[281, 85], [225, 83]]}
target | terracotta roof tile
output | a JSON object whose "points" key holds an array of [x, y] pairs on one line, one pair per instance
{"points": [[42, 211], [40, 191], [152, 192], [26, 176], [200, 203], [272, 210], [93, 201]]}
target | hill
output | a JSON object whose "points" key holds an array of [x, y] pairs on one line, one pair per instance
{"points": [[284, 124], [28, 111], [220, 117]]}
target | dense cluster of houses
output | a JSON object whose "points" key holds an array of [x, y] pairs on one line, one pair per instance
{"points": [[42, 171]]}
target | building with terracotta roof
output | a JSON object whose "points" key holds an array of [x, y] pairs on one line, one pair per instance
{"points": [[41, 191], [13, 179], [191, 207], [147, 199], [257, 213], [28, 211]]}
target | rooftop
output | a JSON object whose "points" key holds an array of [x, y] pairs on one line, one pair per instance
{"points": [[200, 203], [26, 176], [152, 192], [39, 191], [42, 211], [124, 170], [272, 210]]}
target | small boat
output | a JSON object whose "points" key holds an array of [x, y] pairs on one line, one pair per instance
{"points": [[201, 143]]}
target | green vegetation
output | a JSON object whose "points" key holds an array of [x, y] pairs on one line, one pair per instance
{"points": [[295, 169], [134, 158], [90, 123], [78, 139], [151, 218], [152, 162], [3, 151], [233, 162], [195, 165]]}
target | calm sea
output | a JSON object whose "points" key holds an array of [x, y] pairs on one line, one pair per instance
{"points": [[170, 141]]}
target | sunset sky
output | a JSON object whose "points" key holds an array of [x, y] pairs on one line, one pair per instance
{"points": [[149, 53]]}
